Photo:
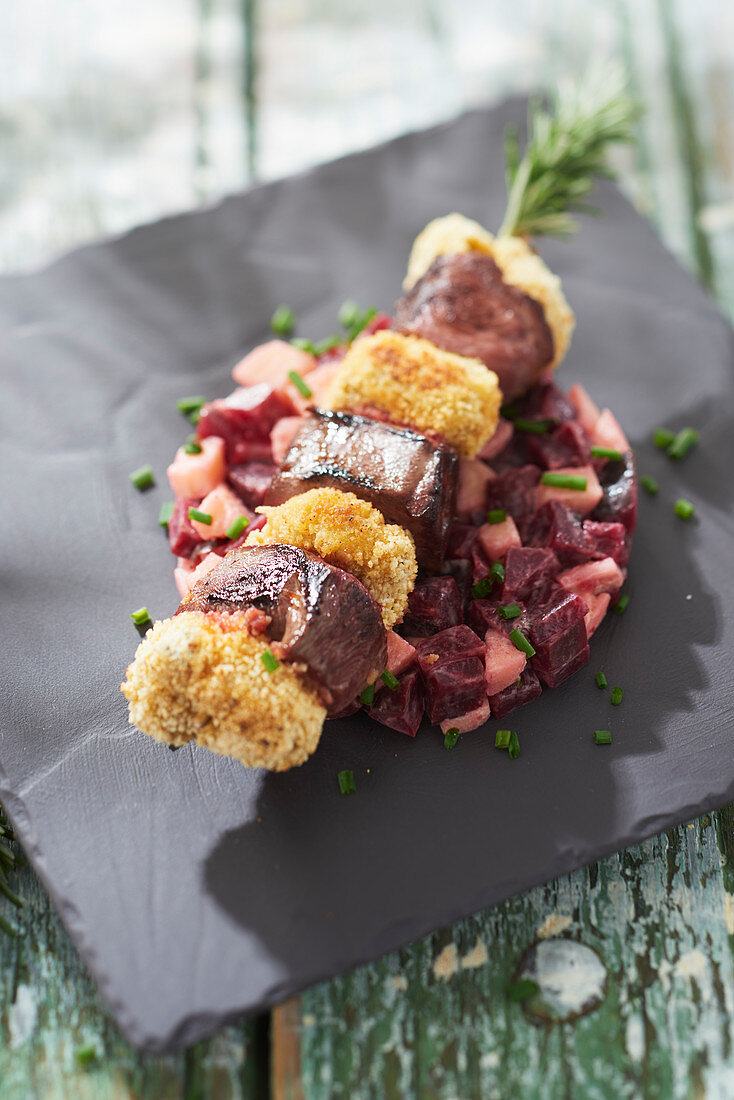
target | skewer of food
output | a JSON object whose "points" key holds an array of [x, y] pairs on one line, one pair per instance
{"points": [[413, 518]]}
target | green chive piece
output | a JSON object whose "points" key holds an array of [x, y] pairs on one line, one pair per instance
{"points": [[303, 345], [368, 695], [511, 611], [509, 412], [200, 517], [270, 661], [450, 737], [621, 604], [606, 452], [389, 680], [514, 746], [496, 515], [649, 484], [520, 642], [601, 680], [236, 528], [497, 572], [187, 405], [142, 615], [685, 441], [283, 321], [564, 481], [684, 509], [603, 737], [165, 513], [348, 313], [616, 696], [481, 588], [522, 990], [538, 427], [299, 383], [662, 438], [192, 446], [346, 782], [502, 739], [361, 322], [327, 344], [194, 417], [143, 477]]}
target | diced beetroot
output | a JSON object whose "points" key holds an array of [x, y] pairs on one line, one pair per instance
{"points": [[546, 401], [247, 415], [559, 529], [193, 476], [497, 443], [400, 653], [559, 649], [460, 570], [450, 645], [496, 539], [566, 446], [553, 675], [469, 721], [608, 540], [608, 433], [182, 538], [250, 481], [581, 501], [514, 455], [282, 435], [462, 537], [597, 610], [401, 709], [379, 321], [483, 614], [433, 605], [272, 363], [474, 477], [529, 573], [224, 507], [455, 688], [619, 493], [586, 411], [481, 566], [594, 577], [514, 490], [504, 662], [517, 695]]}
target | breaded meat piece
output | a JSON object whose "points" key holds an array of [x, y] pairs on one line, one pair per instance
{"points": [[520, 265], [350, 533], [200, 677], [410, 381]]}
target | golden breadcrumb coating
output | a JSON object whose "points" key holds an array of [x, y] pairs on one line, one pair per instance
{"points": [[351, 534], [519, 264], [413, 382], [200, 677]]}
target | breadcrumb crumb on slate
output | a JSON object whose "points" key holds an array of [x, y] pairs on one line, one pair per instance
{"points": [[351, 534], [520, 265], [413, 382], [200, 677]]}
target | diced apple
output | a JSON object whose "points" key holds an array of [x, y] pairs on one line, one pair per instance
{"points": [[193, 476], [224, 507], [597, 610], [503, 661], [272, 363], [282, 435], [400, 653], [187, 578], [608, 433], [320, 379], [497, 442], [593, 578], [474, 477], [497, 538], [581, 501], [469, 721], [586, 410]]}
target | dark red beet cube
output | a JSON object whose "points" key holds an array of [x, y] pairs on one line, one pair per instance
{"points": [[563, 610], [379, 321], [455, 688], [619, 486], [514, 454], [484, 614], [402, 709], [516, 695], [182, 538], [450, 645], [608, 540], [433, 605], [481, 566], [560, 648], [566, 446], [559, 529], [513, 490], [460, 570], [553, 675], [250, 481], [529, 573], [246, 416], [462, 537], [545, 401]]}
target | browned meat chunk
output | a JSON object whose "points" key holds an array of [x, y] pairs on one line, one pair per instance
{"points": [[319, 615], [410, 478], [463, 305]]}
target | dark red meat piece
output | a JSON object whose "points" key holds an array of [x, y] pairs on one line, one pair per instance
{"points": [[434, 605], [251, 481], [529, 573], [402, 709], [243, 419], [182, 538], [517, 695]]}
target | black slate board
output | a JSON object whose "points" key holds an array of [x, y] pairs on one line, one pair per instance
{"points": [[195, 889]]}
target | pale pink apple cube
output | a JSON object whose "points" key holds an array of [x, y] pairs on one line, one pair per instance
{"points": [[593, 577], [608, 433], [469, 721], [586, 411], [282, 435], [581, 501], [193, 476], [187, 578], [224, 507], [503, 661], [272, 363], [497, 538], [597, 610], [399, 653], [496, 443], [474, 477]]}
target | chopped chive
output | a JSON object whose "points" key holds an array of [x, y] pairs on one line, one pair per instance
{"points": [[450, 737], [142, 615], [368, 695], [510, 611], [481, 588], [520, 642], [606, 452], [684, 508], [564, 481], [143, 477], [348, 314], [649, 484], [188, 405], [538, 427], [269, 659], [685, 441], [327, 344], [601, 680], [361, 322], [514, 746], [522, 990], [192, 446], [496, 515], [236, 528], [621, 604], [389, 680], [346, 782], [502, 739], [662, 438], [603, 737], [194, 417], [509, 412], [299, 383], [616, 696], [200, 517], [497, 572], [283, 321], [165, 513], [303, 345]]}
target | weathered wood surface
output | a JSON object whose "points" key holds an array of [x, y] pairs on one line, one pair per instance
{"points": [[115, 114]]}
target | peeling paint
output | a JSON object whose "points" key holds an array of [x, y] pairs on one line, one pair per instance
{"points": [[553, 925], [447, 963], [634, 1038], [476, 957], [22, 1016], [693, 964], [400, 982]]}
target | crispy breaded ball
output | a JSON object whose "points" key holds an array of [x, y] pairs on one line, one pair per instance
{"points": [[413, 382], [520, 266], [200, 677], [351, 534]]}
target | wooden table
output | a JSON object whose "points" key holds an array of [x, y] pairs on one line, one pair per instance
{"points": [[112, 117]]}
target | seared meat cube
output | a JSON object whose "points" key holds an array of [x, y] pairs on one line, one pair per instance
{"points": [[410, 478]]}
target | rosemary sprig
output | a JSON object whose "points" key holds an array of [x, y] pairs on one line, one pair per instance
{"points": [[10, 860], [566, 151]]}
